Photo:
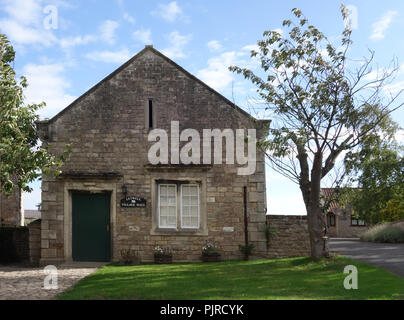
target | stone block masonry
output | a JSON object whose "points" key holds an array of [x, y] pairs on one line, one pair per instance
{"points": [[12, 209], [290, 236], [108, 131]]}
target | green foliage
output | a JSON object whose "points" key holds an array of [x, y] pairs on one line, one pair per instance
{"points": [[21, 157], [277, 279], [394, 211], [268, 232], [246, 250], [210, 249], [377, 171], [384, 233], [130, 257]]}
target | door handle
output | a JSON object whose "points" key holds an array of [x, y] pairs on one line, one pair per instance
{"points": [[107, 227]]}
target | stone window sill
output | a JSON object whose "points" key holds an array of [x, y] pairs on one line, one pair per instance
{"points": [[178, 232]]}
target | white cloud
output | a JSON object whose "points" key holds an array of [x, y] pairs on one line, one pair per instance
{"points": [[394, 88], [400, 136], [217, 74], [47, 83], [25, 35], [380, 26], [169, 12], [143, 36], [129, 18], [23, 23], [109, 56], [177, 44], [214, 46], [78, 40], [25, 12], [107, 30]]}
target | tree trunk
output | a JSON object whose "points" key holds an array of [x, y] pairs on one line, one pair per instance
{"points": [[317, 232], [315, 215]]}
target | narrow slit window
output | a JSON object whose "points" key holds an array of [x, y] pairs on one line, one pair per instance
{"points": [[150, 114]]}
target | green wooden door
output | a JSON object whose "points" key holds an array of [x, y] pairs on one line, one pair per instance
{"points": [[91, 227]]}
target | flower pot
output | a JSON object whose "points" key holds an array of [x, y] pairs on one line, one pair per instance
{"points": [[163, 259], [211, 257]]}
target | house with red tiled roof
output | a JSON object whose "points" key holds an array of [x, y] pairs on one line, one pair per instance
{"points": [[341, 223]]}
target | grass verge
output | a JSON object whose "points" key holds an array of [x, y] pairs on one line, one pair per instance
{"points": [[295, 278]]}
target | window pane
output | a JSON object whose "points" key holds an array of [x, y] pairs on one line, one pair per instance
{"points": [[172, 221], [193, 211], [168, 206], [190, 206], [194, 201], [194, 191], [186, 201], [171, 191], [194, 222]]}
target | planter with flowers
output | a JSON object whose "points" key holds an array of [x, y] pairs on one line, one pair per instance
{"points": [[210, 252], [162, 255]]}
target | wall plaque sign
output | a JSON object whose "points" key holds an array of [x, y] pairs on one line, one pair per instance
{"points": [[133, 202]]}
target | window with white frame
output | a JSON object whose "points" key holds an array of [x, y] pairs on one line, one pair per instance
{"points": [[179, 205], [167, 205], [190, 206]]}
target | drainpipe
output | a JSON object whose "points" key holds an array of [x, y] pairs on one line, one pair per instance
{"points": [[245, 222]]}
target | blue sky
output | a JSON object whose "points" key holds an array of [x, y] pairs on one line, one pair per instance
{"points": [[93, 37]]}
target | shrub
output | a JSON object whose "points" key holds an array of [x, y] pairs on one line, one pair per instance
{"points": [[210, 249], [246, 250], [130, 257], [161, 251], [385, 233]]}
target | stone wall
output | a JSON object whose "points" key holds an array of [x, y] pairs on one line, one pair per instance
{"points": [[289, 236], [108, 132], [34, 242], [11, 209]]}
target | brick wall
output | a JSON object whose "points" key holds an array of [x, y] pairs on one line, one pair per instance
{"points": [[290, 237]]}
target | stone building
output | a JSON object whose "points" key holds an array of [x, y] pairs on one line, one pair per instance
{"points": [[341, 223], [12, 209], [111, 197]]}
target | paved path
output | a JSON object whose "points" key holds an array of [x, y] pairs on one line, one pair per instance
{"points": [[27, 283], [383, 255]]}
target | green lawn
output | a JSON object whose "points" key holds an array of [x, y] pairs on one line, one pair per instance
{"points": [[296, 278]]}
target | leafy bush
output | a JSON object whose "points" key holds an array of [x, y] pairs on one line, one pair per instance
{"points": [[162, 251], [246, 250], [385, 233], [130, 257], [210, 249]]}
